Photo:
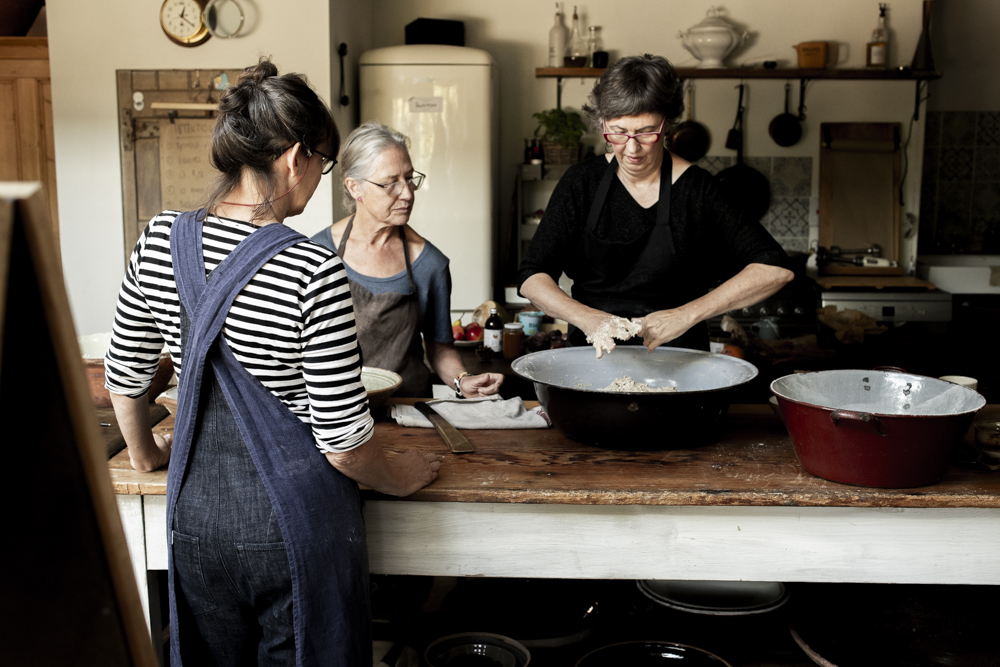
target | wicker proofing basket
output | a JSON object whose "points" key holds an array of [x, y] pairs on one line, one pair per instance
{"points": [[556, 154]]}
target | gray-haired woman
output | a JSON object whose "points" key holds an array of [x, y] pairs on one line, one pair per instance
{"points": [[399, 281], [643, 233]]}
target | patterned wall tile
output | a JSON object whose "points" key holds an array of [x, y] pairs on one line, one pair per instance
{"points": [[789, 216], [761, 164], [955, 163], [713, 164], [988, 128], [987, 163], [932, 129], [928, 202], [954, 205], [931, 160], [791, 176], [958, 128]]}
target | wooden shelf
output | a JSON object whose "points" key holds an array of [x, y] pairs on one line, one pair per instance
{"points": [[758, 73]]}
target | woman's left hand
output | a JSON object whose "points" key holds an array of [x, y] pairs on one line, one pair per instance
{"points": [[484, 384], [664, 326]]}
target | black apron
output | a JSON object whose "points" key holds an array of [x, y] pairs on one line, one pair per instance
{"points": [[388, 326], [639, 277]]}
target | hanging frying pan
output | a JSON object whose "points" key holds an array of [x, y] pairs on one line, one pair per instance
{"points": [[690, 140], [785, 128], [745, 184]]}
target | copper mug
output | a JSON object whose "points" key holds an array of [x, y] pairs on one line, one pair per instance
{"points": [[819, 55]]}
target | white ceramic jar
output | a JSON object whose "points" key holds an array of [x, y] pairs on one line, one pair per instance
{"points": [[712, 40]]}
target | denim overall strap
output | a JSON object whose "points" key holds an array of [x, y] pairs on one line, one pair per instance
{"points": [[318, 508]]}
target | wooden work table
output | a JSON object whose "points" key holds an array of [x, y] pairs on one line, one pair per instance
{"points": [[532, 503]]}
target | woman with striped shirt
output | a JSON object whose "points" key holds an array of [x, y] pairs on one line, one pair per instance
{"points": [[268, 561]]}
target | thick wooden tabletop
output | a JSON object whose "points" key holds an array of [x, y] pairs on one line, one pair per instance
{"points": [[751, 463]]}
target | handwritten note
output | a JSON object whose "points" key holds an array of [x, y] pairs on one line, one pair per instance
{"points": [[186, 173]]}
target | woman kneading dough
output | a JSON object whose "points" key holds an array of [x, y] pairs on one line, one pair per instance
{"points": [[645, 234]]}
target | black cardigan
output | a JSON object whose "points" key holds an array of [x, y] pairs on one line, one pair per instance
{"points": [[713, 237]]}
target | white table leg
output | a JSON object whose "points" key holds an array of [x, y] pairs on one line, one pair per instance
{"points": [[130, 509]]}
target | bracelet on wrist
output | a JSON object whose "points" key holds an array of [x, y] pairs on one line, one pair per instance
{"points": [[458, 384]]}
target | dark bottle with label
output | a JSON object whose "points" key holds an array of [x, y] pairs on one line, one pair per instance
{"points": [[493, 332]]}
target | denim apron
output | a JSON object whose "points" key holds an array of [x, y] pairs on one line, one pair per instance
{"points": [[388, 327], [318, 509], [635, 278]]}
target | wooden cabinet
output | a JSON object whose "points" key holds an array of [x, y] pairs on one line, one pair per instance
{"points": [[27, 149]]}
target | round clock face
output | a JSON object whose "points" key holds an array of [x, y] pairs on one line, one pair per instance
{"points": [[182, 21]]}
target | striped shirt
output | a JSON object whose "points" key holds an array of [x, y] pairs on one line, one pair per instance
{"points": [[291, 327]]}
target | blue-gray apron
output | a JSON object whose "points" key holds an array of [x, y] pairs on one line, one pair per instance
{"points": [[635, 278], [318, 508]]}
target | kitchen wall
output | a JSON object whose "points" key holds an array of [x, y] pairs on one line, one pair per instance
{"points": [[515, 32], [960, 191], [88, 41]]}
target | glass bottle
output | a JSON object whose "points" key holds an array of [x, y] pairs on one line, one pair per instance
{"points": [[878, 46], [557, 40], [594, 43], [513, 340], [493, 332], [576, 51]]}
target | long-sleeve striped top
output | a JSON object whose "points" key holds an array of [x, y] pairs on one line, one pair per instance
{"points": [[292, 327]]}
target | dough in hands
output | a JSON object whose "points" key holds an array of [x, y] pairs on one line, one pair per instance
{"points": [[614, 327]]}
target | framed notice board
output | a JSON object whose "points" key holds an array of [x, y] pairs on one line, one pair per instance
{"points": [[164, 143]]}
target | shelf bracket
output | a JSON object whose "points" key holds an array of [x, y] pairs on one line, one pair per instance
{"points": [[802, 98], [559, 92], [916, 102]]}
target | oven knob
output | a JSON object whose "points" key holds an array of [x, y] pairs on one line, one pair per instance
{"points": [[764, 312], [799, 310], [781, 312], [747, 311]]}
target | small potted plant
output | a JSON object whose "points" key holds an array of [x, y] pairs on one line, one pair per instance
{"points": [[561, 138]]}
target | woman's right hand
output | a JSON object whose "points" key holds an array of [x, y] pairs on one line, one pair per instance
{"points": [[414, 470], [400, 476]]}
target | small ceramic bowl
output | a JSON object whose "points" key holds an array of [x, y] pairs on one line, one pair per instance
{"points": [[988, 438], [380, 385]]}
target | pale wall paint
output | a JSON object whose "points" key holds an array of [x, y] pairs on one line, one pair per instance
{"points": [[515, 32], [86, 128]]}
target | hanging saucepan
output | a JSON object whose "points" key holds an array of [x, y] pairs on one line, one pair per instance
{"points": [[747, 186], [785, 128], [690, 140], [875, 428]]}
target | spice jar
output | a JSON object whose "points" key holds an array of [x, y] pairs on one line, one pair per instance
{"points": [[513, 340]]}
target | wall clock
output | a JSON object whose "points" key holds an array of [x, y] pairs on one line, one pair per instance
{"points": [[183, 21]]}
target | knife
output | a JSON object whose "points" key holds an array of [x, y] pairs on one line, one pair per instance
{"points": [[455, 440]]}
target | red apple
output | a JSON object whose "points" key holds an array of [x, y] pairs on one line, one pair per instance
{"points": [[473, 331]]}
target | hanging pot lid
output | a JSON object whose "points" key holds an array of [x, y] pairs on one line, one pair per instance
{"points": [[716, 598]]}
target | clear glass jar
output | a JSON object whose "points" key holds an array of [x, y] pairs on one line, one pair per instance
{"points": [[513, 340]]}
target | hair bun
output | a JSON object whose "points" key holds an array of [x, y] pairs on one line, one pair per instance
{"points": [[264, 69]]}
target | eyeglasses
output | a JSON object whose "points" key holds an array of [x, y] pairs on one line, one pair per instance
{"points": [[396, 187], [619, 138], [327, 163]]}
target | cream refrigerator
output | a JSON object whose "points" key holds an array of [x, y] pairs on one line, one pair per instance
{"points": [[444, 99]]}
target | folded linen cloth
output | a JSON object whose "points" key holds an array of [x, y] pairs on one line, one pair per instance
{"points": [[489, 412]]}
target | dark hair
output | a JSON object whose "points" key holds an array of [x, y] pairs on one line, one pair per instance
{"points": [[636, 85], [259, 117]]}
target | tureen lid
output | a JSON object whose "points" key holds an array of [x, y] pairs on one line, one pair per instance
{"points": [[714, 20]]}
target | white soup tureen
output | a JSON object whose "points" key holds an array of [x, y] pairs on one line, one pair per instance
{"points": [[713, 39]]}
